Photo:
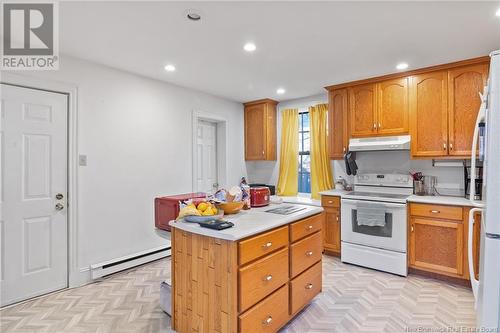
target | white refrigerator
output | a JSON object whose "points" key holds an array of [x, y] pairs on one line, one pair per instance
{"points": [[487, 289]]}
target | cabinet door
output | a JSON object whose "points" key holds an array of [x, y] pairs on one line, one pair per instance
{"points": [[436, 246], [362, 106], [392, 115], [331, 230], [429, 115], [464, 86], [255, 132], [337, 130]]}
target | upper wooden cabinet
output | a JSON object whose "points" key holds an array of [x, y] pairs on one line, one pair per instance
{"points": [[260, 130], [464, 86], [362, 110], [337, 117], [392, 99], [444, 106], [429, 114], [379, 109]]}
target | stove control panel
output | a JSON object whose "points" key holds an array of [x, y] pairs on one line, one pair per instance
{"points": [[380, 179]]}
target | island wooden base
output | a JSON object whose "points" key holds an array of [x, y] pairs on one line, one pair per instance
{"points": [[255, 284]]}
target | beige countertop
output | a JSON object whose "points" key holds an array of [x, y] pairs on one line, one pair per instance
{"points": [[249, 222]]}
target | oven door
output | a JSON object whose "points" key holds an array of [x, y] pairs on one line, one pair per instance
{"points": [[391, 236]]}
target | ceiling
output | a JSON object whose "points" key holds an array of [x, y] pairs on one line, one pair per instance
{"points": [[301, 46]]}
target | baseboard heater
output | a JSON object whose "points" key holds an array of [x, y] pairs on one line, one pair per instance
{"points": [[119, 264]]}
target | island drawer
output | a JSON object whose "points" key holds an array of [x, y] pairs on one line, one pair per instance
{"points": [[267, 316], [305, 253], [262, 277], [437, 211], [261, 245], [329, 201], [306, 227], [305, 287]]}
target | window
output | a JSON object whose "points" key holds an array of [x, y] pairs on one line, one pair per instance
{"points": [[304, 153]]}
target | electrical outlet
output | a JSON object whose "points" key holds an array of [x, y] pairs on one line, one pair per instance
{"points": [[82, 160]]}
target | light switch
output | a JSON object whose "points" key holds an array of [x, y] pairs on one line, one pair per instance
{"points": [[82, 160]]}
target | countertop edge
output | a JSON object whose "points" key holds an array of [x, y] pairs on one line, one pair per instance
{"points": [[196, 229]]}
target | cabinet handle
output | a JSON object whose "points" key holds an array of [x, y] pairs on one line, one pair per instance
{"points": [[379, 125], [262, 152], [309, 253], [309, 227], [374, 126], [267, 321], [344, 149], [267, 245], [412, 228], [268, 277], [435, 211], [337, 218], [451, 146], [309, 286], [444, 146], [330, 201]]}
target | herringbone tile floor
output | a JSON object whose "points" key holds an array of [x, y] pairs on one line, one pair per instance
{"points": [[354, 299]]}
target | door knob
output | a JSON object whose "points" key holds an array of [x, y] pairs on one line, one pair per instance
{"points": [[59, 196], [59, 206]]}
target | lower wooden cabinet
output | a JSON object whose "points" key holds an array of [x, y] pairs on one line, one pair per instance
{"points": [[304, 287], [331, 225], [267, 316], [437, 245], [438, 240]]}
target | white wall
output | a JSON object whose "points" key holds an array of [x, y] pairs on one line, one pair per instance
{"points": [[268, 171], [137, 135]]}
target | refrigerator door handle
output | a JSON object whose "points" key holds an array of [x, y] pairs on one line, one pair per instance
{"points": [[480, 118], [474, 283]]}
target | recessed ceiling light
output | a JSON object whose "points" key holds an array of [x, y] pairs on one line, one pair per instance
{"points": [[280, 91], [249, 47], [193, 16], [498, 13], [402, 66], [170, 68]]}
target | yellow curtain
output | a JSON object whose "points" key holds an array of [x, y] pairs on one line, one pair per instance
{"points": [[288, 181], [321, 171]]}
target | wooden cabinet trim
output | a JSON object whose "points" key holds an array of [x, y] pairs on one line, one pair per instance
{"points": [[478, 60]]}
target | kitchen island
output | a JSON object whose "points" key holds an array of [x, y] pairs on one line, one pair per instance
{"points": [[253, 277]]}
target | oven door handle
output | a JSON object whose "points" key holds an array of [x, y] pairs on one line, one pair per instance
{"points": [[385, 204]]}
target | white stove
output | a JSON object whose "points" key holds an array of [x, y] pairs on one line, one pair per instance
{"points": [[373, 222]]}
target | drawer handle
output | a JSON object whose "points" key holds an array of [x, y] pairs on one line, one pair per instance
{"points": [[337, 218], [309, 227], [309, 286], [330, 201], [268, 277], [267, 245], [435, 211], [309, 253], [267, 321]]}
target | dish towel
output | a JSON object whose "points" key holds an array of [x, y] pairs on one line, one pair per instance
{"points": [[370, 214]]}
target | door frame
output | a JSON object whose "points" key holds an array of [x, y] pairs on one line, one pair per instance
{"points": [[222, 145], [75, 275]]}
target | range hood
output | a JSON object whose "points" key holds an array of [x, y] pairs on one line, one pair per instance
{"points": [[380, 143]]}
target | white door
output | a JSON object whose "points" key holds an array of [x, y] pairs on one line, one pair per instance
{"points": [[206, 157], [34, 190]]}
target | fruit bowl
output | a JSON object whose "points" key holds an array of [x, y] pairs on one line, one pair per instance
{"points": [[198, 219], [230, 207]]}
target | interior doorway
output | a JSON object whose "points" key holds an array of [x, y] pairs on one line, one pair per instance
{"points": [[34, 179]]}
